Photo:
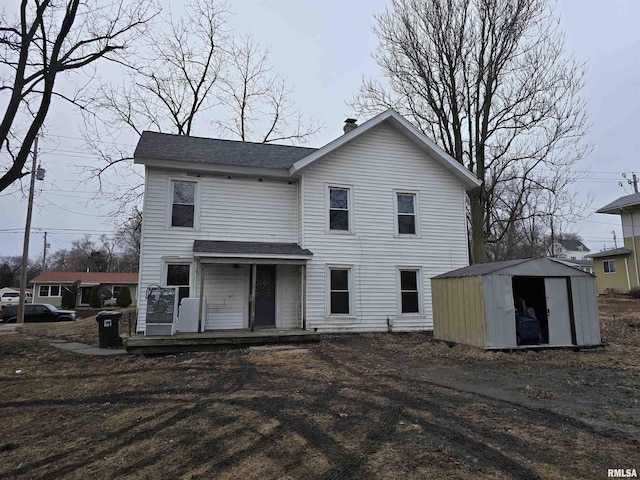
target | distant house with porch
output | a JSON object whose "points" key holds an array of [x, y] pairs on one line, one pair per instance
{"points": [[344, 238], [617, 269], [48, 286]]}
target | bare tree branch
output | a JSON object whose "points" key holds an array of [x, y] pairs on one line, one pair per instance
{"points": [[490, 82]]}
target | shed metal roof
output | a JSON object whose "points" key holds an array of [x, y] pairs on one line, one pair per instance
{"points": [[482, 268], [182, 148], [537, 267]]}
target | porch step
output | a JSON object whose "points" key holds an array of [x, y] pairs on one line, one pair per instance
{"points": [[212, 340]]}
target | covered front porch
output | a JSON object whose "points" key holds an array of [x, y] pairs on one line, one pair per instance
{"points": [[246, 285]]}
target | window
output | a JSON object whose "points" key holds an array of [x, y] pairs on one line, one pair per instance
{"points": [[339, 302], [183, 204], [49, 291], [409, 291], [116, 290], [178, 276], [339, 209], [406, 213], [609, 266]]}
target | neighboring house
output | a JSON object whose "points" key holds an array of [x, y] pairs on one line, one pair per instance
{"points": [[48, 286], [569, 249], [341, 238], [618, 268]]}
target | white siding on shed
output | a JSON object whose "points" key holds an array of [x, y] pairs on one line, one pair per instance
{"points": [[375, 165]]}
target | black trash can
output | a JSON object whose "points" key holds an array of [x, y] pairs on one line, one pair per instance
{"points": [[109, 329]]}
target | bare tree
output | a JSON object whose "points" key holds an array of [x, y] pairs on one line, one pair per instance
{"points": [[190, 75], [49, 38], [259, 100], [490, 82]]}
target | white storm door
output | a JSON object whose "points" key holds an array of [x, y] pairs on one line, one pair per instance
{"points": [[558, 311]]}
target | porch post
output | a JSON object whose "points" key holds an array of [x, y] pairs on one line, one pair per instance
{"points": [[303, 295], [200, 319], [252, 296]]}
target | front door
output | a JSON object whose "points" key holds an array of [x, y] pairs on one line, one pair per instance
{"points": [[265, 296], [558, 313]]}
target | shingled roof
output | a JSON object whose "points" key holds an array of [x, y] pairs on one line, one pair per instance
{"points": [[164, 146], [573, 245], [622, 202]]}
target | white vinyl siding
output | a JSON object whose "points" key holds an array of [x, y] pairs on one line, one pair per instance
{"points": [[226, 291], [376, 166], [239, 209]]}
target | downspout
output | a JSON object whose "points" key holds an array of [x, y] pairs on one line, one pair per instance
{"points": [[633, 241], [626, 267]]}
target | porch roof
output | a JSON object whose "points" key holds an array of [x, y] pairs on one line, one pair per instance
{"points": [[249, 251]]}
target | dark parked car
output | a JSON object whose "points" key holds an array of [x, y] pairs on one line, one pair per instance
{"points": [[36, 312]]}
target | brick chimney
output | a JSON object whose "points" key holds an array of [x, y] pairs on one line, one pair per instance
{"points": [[350, 124]]}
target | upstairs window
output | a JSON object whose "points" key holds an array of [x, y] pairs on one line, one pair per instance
{"points": [[406, 213], [183, 203], [339, 209]]}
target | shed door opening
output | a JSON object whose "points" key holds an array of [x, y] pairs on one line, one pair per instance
{"points": [[529, 298], [546, 299]]}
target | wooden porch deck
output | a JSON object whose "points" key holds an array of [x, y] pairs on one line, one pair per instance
{"points": [[216, 339]]}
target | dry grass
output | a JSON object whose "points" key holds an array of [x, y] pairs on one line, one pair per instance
{"points": [[84, 330], [355, 406]]}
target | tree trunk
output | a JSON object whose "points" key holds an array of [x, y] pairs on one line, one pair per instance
{"points": [[478, 254]]}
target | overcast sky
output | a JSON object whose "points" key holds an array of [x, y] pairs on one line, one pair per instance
{"points": [[323, 49]]}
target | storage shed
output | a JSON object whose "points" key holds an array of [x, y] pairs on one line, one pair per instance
{"points": [[493, 305]]}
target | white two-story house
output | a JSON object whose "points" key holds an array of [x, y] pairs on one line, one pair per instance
{"points": [[344, 238]]}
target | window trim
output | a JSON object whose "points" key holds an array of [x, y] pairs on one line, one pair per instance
{"points": [[165, 272], [609, 261], [327, 208], [419, 284], [416, 213], [350, 268], [196, 205], [48, 287]]}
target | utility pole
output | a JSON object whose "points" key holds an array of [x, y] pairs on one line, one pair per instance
{"points": [[633, 182], [615, 243], [44, 253], [27, 231]]}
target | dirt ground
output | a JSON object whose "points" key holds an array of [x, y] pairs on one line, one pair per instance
{"points": [[383, 406]]}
